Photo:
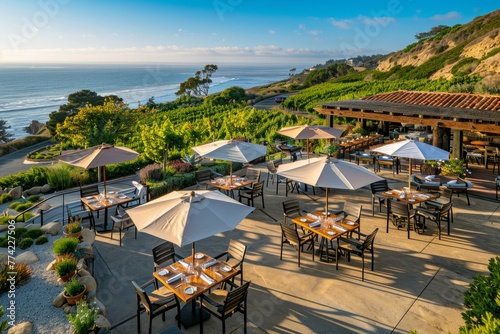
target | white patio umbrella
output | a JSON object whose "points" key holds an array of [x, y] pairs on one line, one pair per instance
{"points": [[328, 173], [97, 156], [412, 149], [232, 151], [184, 217], [310, 132]]}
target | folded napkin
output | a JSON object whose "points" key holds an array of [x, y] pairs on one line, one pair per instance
{"points": [[208, 264], [207, 279], [174, 278], [314, 224], [184, 263], [237, 183], [310, 215], [423, 196], [338, 219], [338, 227]]}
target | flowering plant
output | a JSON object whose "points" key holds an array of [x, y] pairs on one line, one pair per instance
{"points": [[84, 318], [454, 167]]}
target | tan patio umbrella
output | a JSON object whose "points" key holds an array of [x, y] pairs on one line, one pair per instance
{"points": [[100, 155], [232, 151], [310, 132], [186, 217], [412, 149], [328, 173]]}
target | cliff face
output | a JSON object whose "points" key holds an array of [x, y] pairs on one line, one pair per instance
{"points": [[472, 48]]}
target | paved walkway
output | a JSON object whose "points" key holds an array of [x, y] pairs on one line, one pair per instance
{"points": [[418, 283]]}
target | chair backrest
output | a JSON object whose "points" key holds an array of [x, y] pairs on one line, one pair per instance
{"points": [[445, 192], [140, 192], [258, 188], [234, 299], [379, 186], [368, 243], [445, 208], [291, 235], [271, 168], [143, 296], [163, 253], [203, 175], [253, 175], [89, 190], [399, 208], [237, 251], [291, 208], [353, 210]]}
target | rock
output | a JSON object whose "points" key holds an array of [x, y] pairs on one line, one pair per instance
{"points": [[83, 272], [4, 257], [51, 266], [33, 191], [27, 257], [45, 188], [89, 282], [16, 192], [100, 306], [101, 322], [81, 264], [88, 236], [4, 227], [34, 127], [67, 308], [59, 300], [22, 328], [53, 228]]}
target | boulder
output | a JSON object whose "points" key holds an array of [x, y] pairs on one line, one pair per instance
{"points": [[4, 257], [52, 228], [33, 191], [4, 227], [59, 300], [89, 282], [51, 266], [27, 258], [83, 272], [22, 328], [100, 306], [81, 264], [16, 192], [88, 236], [67, 308], [101, 322], [45, 188]]}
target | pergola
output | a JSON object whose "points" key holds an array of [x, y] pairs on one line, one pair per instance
{"points": [[449, 113]]}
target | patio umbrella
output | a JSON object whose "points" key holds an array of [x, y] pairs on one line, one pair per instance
{"points": [[97, 156], [310, 132], [186, 217], [328, 173], [413, 150], [231, 150]]}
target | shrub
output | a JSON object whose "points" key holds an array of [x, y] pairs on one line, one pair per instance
{"points": [[25, 243], [4, 242], [73, 227], [24, 217], [41, 240], [14, 205], [23, 274], [59, 176], [65, 266], [33, 233], [480, 298], [19, 232], [73, 287], [151, 172], [84, 318], [181, 166], [65, 246], [454, 167], [4, 198], [23, 206]]}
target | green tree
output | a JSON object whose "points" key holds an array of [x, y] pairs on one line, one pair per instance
{"points": [[4, 135], [431, 33], [200, 83], [157, 138]]}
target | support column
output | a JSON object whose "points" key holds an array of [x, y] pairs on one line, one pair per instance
{"points": [[457, 144]]}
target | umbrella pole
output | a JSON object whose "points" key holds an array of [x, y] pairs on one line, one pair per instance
{"points": [[307, 147], [193, 251], [409, 174], [326, 205], [104, 176], [230, 172]]}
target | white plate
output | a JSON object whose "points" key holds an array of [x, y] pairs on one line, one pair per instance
{"points": [[351, 223], [163, 272], [123, 197], [331, 232], [199, 256], [97, 206], [226, 269], [303, 220], [326, 213], [411, 200], [190, 290], [89, 197]]}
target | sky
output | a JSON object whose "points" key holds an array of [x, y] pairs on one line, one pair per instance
{"points": [[218, 31]]}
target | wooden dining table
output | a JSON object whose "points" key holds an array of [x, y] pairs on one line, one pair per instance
{"points": [[229, 186], [99, 202], [328, 226], [188, 286]]}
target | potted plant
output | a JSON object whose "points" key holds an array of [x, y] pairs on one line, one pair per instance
{"points": [[73, 229], [65, 268], [454, 167], [83, 321], [430, 167], [74, 291], [65, 246]]}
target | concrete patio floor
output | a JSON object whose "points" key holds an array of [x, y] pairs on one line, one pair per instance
{"points": [[417, 283]]}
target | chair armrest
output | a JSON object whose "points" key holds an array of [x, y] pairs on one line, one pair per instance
{"points": [[359, 233], [349, 241], [148, 283], [215, 173], [220, 255]]}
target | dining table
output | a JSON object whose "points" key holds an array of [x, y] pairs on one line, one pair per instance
{"points": [[101, 202], [229, 184], [188, 280], [328, 226]]}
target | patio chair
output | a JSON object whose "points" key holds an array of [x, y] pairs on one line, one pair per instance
{"points": [[121, 222], [271, 172], [139, 195], [423, 184], [156, 303], [289, 235], [164, 254], [90, 190], [444, 196], [252, 175], [401, 214], [256, 191], [291, 209], [222, 304], [358, 246], [460, 186], [436, 215], [353, 212], [76, 210], [204, 177], [377, 189], [234, 257]]}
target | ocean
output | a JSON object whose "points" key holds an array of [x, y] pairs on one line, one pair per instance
{"points": [[32, 92]]}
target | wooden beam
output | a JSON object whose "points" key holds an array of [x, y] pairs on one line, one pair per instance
{"points": [[390, 117]]}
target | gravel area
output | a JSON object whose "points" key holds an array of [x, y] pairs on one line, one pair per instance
{"points": [[34, 299]]}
